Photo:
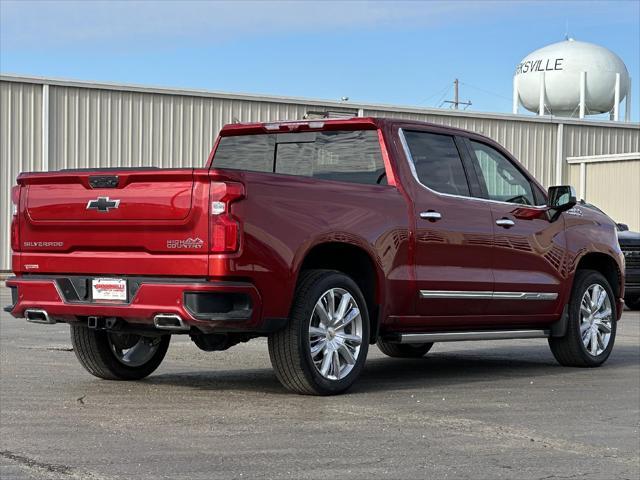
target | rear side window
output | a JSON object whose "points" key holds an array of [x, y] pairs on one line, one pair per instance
{"points": [[344, 156], [437, 162]]}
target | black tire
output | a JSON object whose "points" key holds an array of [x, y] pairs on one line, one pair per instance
{"points": [[404, 350], [570, 350], [289, 348], [632, 303], [93, 350]]}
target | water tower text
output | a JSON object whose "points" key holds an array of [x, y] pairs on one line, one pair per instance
{"points": [[539, 65]]}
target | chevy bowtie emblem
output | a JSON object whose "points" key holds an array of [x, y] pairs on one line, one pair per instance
{"points": [[102, 204]]}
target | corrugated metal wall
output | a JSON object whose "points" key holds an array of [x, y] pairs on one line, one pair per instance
{"points": [[614, 187], [20, 148], [91, 125], [91, 128], [581, 140]]}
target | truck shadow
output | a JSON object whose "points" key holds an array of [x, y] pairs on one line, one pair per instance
{"points": [[436, 369], [448, 369]]}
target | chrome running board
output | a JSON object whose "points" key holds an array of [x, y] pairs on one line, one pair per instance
{"points": [[463, 336]]}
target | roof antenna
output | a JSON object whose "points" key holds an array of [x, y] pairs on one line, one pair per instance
{"points": [[566, 30]]}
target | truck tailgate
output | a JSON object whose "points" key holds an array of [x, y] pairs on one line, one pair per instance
{"points": [[144, 196], [127, 221]]}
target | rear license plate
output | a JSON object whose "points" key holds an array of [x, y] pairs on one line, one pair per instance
{"points": [[109, 289]]}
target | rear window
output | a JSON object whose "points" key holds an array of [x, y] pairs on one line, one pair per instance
{"points": [[344, 156]]}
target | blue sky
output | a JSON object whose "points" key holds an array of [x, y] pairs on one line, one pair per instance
{"points": [[403, 52]]}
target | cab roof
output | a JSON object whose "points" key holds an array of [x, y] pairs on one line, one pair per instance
{"points": [[346, 123]]}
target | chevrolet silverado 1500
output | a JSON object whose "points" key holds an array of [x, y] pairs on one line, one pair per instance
{"points": [[325, 236]]}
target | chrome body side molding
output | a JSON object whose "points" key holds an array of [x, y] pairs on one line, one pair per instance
{"points": [[525, 295], [455, 294], [487, 295]]}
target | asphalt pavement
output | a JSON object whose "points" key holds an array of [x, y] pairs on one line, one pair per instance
{"points": [[482, 410]]}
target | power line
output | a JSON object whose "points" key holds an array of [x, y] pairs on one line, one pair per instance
{"points": [[440, 101], [486, 91], [441, 93]]}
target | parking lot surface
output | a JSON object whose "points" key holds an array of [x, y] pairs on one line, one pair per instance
{"points": [[467, 410]]}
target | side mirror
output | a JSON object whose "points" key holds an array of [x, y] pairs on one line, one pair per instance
{"points": [[561, 198], [622, 227]]}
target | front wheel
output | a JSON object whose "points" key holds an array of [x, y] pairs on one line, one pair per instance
{"points": [[323, 348], [591, 327], [404, 350], [118, 356], [632, 302]]}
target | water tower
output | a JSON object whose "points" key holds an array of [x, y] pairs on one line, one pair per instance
{"points": [[572, 79]]}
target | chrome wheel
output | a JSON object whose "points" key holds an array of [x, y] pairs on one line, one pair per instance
{"points": [[133, 350], [335, 334], [596, 316]]}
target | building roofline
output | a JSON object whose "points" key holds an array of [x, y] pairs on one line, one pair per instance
{"points": [[308, 101]]}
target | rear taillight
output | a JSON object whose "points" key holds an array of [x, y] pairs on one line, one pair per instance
{"points": [[15, 206], [225, 228]]}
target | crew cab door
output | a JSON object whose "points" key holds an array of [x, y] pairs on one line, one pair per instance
{"points": [[453, 231], [529, 249]]}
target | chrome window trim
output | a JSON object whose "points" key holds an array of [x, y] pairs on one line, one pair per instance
{"points": [[412, 167], [487, 295]]}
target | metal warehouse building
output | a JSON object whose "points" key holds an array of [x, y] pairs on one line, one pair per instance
{"points": [[48, 124]]}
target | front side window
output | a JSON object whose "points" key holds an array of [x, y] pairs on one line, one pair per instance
{"points": [[437, 162], [503, 181]]}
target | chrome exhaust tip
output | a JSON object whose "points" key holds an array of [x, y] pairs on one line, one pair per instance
{"points": [[170, 321], [36, 315]]}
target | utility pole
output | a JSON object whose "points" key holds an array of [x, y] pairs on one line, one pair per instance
{"points": [[456, 100]]}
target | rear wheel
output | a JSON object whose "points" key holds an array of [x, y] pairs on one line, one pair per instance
{"points": [[118, 356], [591, 328], [404, 350], [323, 348]]}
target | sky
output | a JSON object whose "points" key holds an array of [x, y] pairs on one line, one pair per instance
{"points": [[402, 52]]}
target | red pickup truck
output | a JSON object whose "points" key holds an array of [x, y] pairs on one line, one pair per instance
{"points": [[326, 236]]}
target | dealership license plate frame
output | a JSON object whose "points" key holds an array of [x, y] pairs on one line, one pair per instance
{"points": [[119, 294]]}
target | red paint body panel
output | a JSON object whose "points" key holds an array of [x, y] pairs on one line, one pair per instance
{"points": [[155, 208], [529, 257], [161, 196], [151, 299], [368, 216], [590, 233], [162, 228]]}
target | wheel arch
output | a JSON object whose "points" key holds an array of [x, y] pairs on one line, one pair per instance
{"points": [[358, 263], [606, 265]]}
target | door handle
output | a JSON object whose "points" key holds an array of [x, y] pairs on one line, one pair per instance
{"points": [[505, 222], [431, 215]]}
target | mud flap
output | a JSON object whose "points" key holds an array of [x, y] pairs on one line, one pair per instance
{"points": [[559, 328]]}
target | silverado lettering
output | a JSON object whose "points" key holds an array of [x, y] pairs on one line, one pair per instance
{"points": [[325, 236], [43, 244]]}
